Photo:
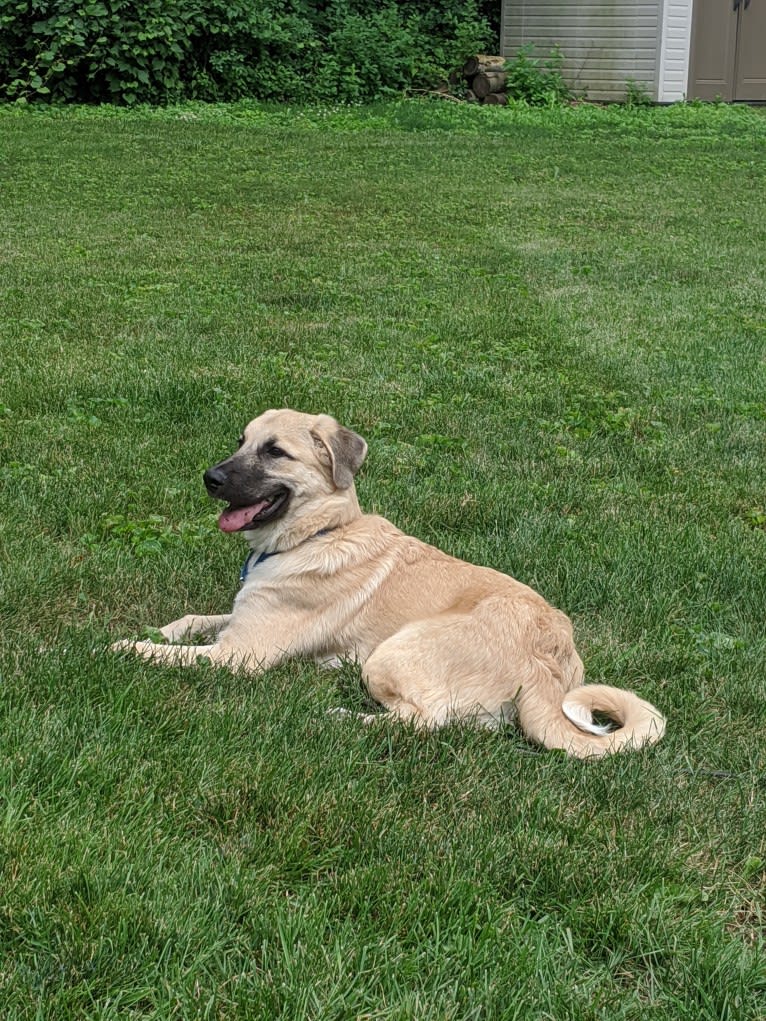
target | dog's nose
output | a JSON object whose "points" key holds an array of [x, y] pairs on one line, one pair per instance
{"points": [[214, 478]]}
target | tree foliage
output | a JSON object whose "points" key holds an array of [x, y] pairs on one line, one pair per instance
{"points": [[158, 51]]}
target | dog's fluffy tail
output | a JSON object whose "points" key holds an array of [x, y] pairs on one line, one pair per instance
{"points": [[572, 728]]}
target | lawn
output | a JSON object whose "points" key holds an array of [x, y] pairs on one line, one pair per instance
{"points": [[550, 326]]}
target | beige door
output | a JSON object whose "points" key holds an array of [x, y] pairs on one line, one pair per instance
{"points": [[728, 50], [750, 82]]}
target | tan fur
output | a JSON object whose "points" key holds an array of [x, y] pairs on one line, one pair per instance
{"points": [[438, 639]]}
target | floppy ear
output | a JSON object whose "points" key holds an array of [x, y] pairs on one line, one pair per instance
{"points": [[346, 450]]}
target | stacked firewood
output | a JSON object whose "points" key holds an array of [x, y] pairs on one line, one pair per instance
{"points": [[485, 79]]}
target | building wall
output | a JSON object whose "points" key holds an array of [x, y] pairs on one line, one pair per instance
{"points": [[604, 43]]}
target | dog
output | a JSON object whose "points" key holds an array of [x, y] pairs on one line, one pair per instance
{"points": [[438, 639]]}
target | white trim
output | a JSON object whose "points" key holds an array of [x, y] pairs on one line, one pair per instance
{"points": [[663, 19], [675, 47]]}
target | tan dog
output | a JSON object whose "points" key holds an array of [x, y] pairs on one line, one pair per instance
{"points": [[438, 639]]}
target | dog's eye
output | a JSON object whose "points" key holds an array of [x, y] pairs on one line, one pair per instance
{"points": [[275, 451]]}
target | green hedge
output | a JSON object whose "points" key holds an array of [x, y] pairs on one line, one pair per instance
{"points": [[161, 51]]}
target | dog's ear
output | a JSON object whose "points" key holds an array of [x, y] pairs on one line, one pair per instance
{"points": [[339, 447]]}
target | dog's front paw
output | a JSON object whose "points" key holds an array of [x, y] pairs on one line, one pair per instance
{"points": [[145, 649], [177, 629]]}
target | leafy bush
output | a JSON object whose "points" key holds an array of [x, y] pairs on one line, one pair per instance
{"points": [[115, 50], [156, 51], [636, 94], [537, 80]]}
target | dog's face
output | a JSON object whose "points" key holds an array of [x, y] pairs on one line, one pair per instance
{"points": [[284, 459]]}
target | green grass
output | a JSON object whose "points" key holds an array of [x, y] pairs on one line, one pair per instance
{"points": [[551, 328]]}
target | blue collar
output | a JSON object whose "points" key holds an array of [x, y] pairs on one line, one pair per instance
{"points": [[250, 564]]}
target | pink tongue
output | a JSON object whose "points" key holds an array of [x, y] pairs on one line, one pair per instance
{"points": [[233, 520]]}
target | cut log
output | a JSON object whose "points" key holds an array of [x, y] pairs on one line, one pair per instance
{"points": [[482, 62], [496, 99], [470, 96], [488, 81]]}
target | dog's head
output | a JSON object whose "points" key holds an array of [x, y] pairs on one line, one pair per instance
{"points": [[286, 460]]}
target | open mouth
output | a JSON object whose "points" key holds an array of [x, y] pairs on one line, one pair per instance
{"points": [[240, 519]]}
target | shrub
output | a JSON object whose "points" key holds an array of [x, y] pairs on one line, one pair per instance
{"points": [[538, 81], [156, 51], [636, 94], [114, 50]]}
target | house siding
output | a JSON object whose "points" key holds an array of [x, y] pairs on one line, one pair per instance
{"points": [[603, 44]]}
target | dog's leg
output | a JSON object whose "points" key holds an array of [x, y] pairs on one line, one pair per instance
{"points": [[402, 711], [441, 669], [329, 662], [386, 676], [348, 714], [194, 624], [192, 655]]}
